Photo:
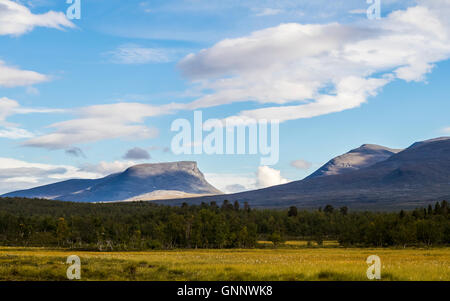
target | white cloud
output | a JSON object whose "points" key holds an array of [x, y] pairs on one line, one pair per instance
{"points": [[17, 174], [267, 176], [17, 19], [11, 76], [15, 133], [321, 69], [351, 92], [227, 182], [101, 122], [9, 107], [301, 164], [232, 183], [135, 54], [106, 168]]}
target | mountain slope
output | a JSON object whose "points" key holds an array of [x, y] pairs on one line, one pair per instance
{"points": [[361, 157], [408, 179], [145, 181]]}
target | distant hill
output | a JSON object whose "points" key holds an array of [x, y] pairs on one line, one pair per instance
{"points": [[369, 177], [361, 157], [406, 179], [140, 182]]}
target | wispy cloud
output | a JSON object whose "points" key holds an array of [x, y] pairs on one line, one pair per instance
{"points": [[146, 7], [446, 130], [358, 11], [32, 90], [268, 12], [101, 122], [135, 54], [9, 107], [301, 164], [11, 76], [330, 67]]}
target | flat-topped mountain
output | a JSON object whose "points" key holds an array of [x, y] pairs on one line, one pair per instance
{"points": [[139, 182], [407, 179]]}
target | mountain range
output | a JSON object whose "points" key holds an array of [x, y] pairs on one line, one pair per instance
{"points": [[369, 177]]}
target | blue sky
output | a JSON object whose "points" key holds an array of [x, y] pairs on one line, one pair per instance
{"points": [[77, 95]]}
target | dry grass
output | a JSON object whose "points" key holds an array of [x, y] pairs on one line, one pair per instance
{"points": [[301, 243], [255, 264]]}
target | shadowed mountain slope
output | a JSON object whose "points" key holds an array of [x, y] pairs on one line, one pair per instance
{"points": [[413, 177]]}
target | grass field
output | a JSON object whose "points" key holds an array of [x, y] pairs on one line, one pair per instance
{"points": [[257, 264]]}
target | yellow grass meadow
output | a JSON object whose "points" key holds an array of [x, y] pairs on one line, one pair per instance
{"points": [[303, 263]]}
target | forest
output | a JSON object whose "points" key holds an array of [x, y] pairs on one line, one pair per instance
{"points": [[145, 226]]}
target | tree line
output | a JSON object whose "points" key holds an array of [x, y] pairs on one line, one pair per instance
{"points": [[144, 225]]}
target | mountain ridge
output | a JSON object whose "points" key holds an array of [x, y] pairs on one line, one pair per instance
{"points": [[411, 178], [363, 156]]}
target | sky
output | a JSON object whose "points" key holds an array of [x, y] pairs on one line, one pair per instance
{"points": [[83, 98]]}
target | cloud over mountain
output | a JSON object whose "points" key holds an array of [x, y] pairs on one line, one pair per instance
{"points": [[137, 153], [267, 176]]}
